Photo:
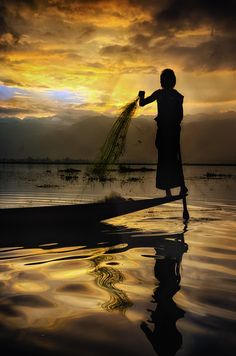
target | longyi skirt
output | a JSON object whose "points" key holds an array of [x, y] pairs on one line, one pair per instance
{"points": [[169, 166]]}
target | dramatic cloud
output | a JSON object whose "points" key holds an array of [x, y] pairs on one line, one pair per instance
{"points": [[12, 111], [217, 53], [57, 55], [190, 14]]}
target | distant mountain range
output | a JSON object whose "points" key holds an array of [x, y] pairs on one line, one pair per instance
{"points": [[206, 138]]}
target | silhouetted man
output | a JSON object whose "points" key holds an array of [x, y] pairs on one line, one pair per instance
{"points": [[170, 115]]}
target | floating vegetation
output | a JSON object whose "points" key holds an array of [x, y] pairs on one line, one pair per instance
{"points": [[69, 170], [133, 179], [114, 146], [210, 175], [47, 186], [69, 177], [127, 169], [97, 178], [69, 174]]}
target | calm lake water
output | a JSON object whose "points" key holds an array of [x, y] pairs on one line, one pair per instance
{"points": [[139, 284], [39, 185]]}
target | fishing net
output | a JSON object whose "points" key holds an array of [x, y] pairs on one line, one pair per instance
{"points": [[114, 145]]}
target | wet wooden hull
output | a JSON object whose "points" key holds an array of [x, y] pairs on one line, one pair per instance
{"points": [[78, 214]]}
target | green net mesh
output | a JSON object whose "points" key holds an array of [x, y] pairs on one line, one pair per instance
{"points": [[114, 145]]}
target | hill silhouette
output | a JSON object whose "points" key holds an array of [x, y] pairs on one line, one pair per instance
{"points": [[205, 138]]}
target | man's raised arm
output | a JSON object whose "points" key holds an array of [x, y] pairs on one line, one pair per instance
{"points": [[144, 101]]}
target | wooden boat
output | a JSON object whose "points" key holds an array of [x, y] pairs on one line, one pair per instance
{"points": [[78, 214]]}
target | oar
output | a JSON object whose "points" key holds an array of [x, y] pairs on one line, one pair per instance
{"points": [[186, 215]]}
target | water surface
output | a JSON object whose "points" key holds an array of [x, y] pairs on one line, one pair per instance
{"points": [[57, 184], [142, 283]]}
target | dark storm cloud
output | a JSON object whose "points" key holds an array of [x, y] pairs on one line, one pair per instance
{"points": [[86, 33], [125, 52], [5, 28], [13, 111], [79, 6], [9, 8], [160, 36], [12, 9], [10, 82], [33, 4], [182, 14], [65, 4], [3, 25], [141, 40], [126, 36], [166, 14], [218, 53]]}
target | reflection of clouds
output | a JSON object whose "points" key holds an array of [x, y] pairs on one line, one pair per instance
{"points": [[76, 314]]}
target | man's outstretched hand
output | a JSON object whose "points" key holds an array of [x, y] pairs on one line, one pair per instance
{"points": [[141, 94]]}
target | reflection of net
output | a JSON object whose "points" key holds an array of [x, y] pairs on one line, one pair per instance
{"points": [[114, 145], [106, 278]]}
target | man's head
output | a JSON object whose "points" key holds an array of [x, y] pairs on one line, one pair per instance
{"points": [[168, 79]]}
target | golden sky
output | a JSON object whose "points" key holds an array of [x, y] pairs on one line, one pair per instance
{"points": [[63, 57]]}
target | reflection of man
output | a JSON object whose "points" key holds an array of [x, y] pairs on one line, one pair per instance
{"points": [[165, 337]]}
